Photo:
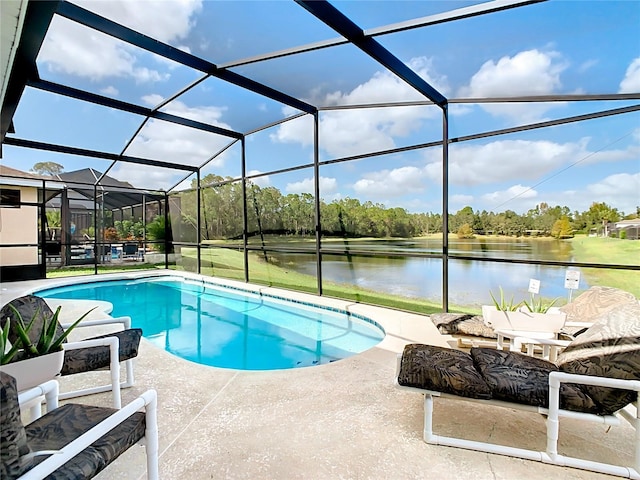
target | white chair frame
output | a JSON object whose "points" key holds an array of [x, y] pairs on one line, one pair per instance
{"points": [[147, 401], [552, 414], [114, 344], [551, 347]]}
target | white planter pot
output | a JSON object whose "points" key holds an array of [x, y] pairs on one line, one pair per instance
{"points": [[522, 320], [34, 371]]}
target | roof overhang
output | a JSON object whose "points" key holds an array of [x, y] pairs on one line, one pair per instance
{"points": [[12, 16], [21, 49]]}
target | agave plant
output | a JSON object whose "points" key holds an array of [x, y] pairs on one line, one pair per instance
{"points": [[7, 349], [505, 305], [47, 341], [538, 306]]}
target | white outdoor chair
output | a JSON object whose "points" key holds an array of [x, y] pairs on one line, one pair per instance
{"points": [[88, 355], [596, 378], [73, 441]]}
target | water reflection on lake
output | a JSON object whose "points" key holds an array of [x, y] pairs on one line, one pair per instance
{"points": [[469, 281]]}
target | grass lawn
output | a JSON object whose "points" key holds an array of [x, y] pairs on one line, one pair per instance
{"points": [[229, 264], [609, 251]]}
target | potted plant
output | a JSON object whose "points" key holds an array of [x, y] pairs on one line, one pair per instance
{"points": [[533, 316], [33, 361]]}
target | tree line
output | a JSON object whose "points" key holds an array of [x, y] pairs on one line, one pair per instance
{"points": [[269, 211]]}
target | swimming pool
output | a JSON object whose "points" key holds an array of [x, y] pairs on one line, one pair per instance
{"points": [[227, 327]]}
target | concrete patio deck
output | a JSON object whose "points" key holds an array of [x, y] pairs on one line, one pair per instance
{"points": [[344, 420]]}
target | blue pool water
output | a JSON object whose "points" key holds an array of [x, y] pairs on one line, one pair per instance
{"points": [[229, 328]]}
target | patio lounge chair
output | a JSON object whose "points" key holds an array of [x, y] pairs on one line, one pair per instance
{"points": [[596, 378], [581, 314], [73, 441], [88, 355]]}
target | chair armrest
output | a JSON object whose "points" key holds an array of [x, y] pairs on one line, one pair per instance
{"points": [[556, 378], [31, 398], [125, 321], [112, 342], [148, 401]]}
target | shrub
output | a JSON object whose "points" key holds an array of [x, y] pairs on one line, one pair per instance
{"points": [[111, 234]]}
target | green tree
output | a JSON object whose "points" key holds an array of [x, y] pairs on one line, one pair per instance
{"points": [[562, 228], [54, 218], [465, 231], [47, 168], [600, 214], [462, 216], [158, 230]]}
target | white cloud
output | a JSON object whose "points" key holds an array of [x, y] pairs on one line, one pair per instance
{"points": [[351, 132], [527, 73], [385, 86], [391, 183], [459, 201], [73, 49], [111, 91], [504, 160], [631, 81], [146, 177], [206, 114], [161, 19], [167, 141], [76, 50], [588, 65], [299, 130], [509, 196], [530, 72], [620, 190], [328, 186], [262, 182], [514, 164], [152, 100]]}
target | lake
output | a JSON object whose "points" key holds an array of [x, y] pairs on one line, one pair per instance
{"points": [[469, 281]]}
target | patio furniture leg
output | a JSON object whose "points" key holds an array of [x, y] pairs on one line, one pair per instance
{"points": [[129, 380], [428, 418], [151, 434], [114, 370]]}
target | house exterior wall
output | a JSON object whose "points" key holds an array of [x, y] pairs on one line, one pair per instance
{"points": [[19, 225]]}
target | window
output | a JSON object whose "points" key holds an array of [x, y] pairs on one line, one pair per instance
{"points": [[9, 198]]}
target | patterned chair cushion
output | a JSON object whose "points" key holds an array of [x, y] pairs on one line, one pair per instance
{"points": [[518, 378], [591, 304], [13, 439], [442, 370], [64, 424], [95, 358], [462, 324], [609, 348], [28, 306]]}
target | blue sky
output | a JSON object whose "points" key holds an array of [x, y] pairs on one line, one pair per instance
{"points": [[556, 47]]}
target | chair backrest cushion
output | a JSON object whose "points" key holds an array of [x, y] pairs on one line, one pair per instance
{"points": [[515, 377], [441, 369], [89, 359], [597, 300], [13, 439], [609, 348], [28, 306]]}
